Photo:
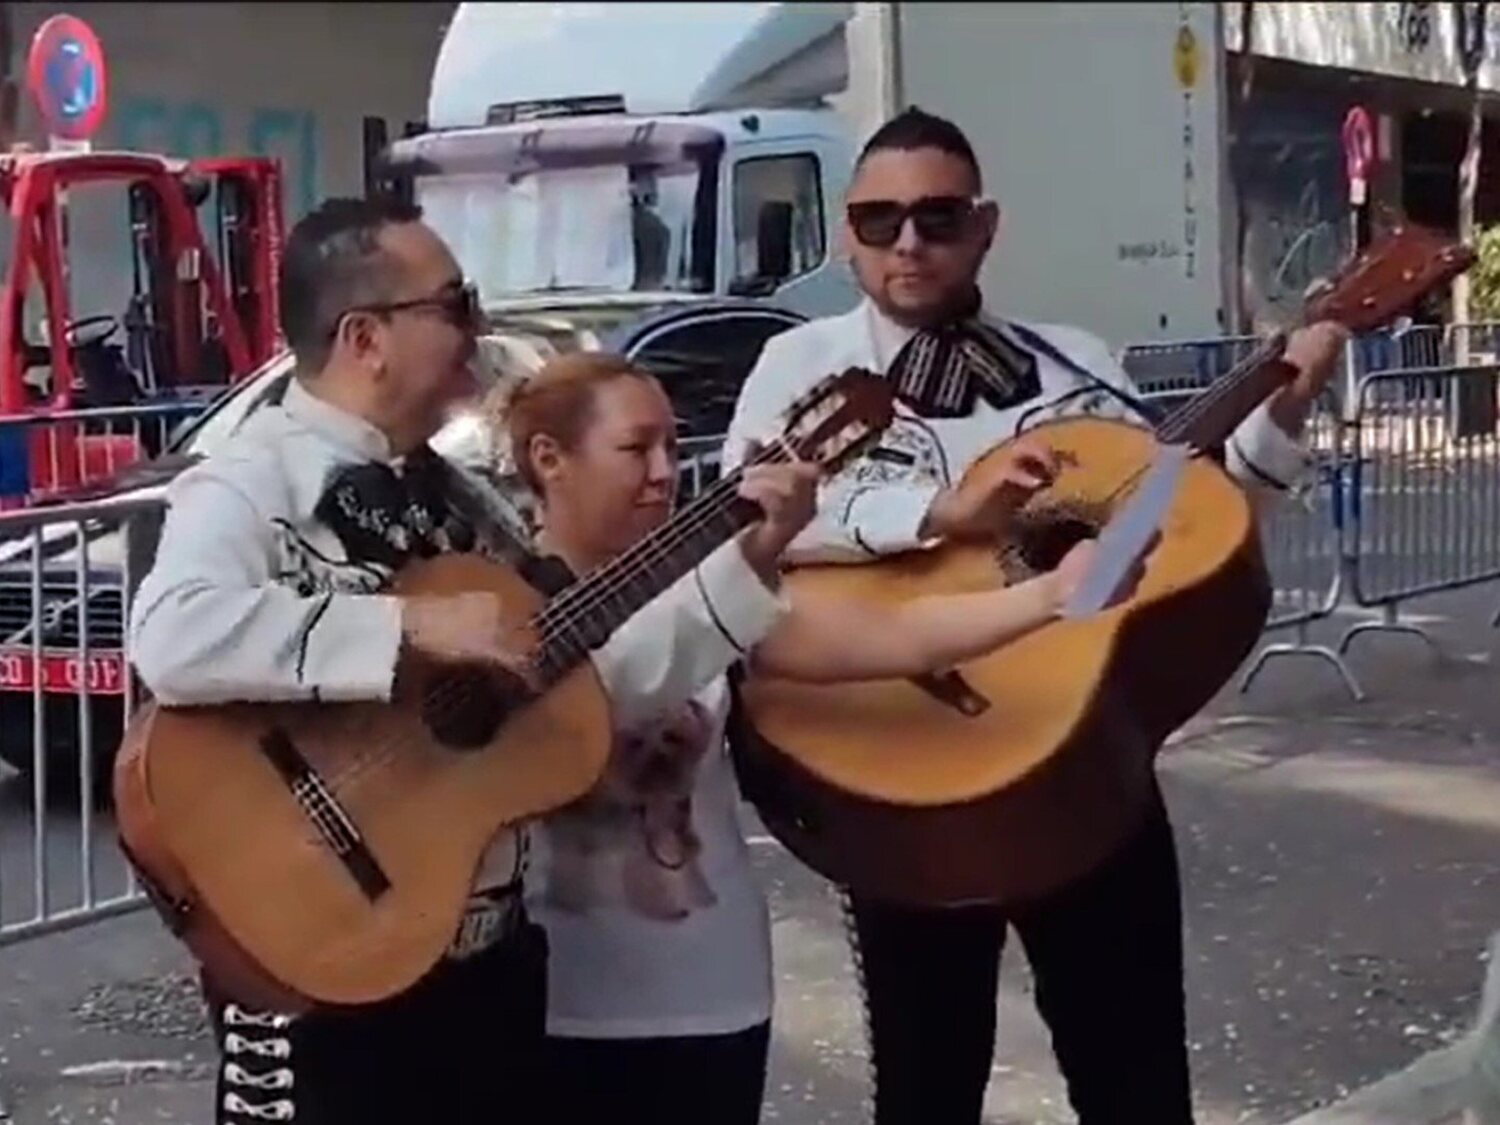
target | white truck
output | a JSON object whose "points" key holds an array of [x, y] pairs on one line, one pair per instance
{"points": [[587, 160]]}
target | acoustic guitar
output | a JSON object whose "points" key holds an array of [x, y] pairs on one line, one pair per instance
{"points": [[322, 854], [1017, 773]]}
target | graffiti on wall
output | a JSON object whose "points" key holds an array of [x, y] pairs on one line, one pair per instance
{"points": [[1298, 235], [1413, 24], [1306, 245], [1291, 175], [193, 129]]}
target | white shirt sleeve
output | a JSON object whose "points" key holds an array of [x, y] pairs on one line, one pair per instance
{"points": [[210, 625], [1263, 456], [855, 520], [680, 641]]}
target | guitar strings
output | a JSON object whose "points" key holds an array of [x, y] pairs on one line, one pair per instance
{"points": [[609, 578], [1181, 420], [778, 447], [693, 518], [560, 618]]}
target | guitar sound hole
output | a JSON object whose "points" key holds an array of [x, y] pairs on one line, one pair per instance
{"points": [[465, 705], [1042, 537]]}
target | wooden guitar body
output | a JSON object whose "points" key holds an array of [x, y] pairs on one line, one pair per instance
{"points": [[322, 854], [886, 789], [243, 855], [1039, 764]]}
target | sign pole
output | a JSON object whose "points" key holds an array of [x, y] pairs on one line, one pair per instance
{"points": [[1358, 137]]}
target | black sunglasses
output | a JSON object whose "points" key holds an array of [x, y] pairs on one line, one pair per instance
{"points": [[936, 218], [460, 307]]}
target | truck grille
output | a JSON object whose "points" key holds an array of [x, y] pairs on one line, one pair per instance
{"points": [[59, 617]]}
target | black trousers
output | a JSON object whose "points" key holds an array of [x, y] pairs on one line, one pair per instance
{"points": [[462, 1047], [1106, 954], [697, 1080]]}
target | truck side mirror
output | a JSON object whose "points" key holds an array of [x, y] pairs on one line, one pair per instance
{"points": [[773, 242], [773, 251], [373, 140]]}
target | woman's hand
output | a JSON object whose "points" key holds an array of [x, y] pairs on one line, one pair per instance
{"points": [[985, 507], [788, 495], [1069, 574]]}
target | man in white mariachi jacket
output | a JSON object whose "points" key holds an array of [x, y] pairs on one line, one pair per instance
{"points": [[271, 583], [1107, 952]]}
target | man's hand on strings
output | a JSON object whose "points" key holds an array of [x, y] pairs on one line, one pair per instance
{"points": [[466, 628], [984, 506], [1315, 352], [787, 495]]}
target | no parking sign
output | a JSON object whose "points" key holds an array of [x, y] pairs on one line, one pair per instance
{"points": [[65, 73]]}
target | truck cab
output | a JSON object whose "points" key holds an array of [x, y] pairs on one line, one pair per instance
{"points": [[620, 211], [592, 163]]}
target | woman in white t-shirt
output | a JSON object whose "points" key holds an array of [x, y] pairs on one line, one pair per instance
{"points": [[659, 976]]}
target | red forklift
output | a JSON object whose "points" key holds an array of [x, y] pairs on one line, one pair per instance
{"points": [[201, 312]]}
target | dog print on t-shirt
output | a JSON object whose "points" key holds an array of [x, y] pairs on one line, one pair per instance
{"points": [[631, 840]]}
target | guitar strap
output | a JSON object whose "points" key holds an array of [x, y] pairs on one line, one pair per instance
{"points": [[1039, 343]]}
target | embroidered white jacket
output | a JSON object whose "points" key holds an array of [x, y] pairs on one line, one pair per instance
{"points": [[876, 504]]}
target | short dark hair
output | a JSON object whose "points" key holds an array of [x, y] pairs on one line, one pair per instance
{"points": [[333, 261], [915, 128]]}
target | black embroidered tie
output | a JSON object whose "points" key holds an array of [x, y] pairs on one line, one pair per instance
{"points": [[385, 517], [944, 369]]}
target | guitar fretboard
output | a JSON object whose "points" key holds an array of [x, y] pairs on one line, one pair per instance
{"points": [[1208, 419], [587, 613]]}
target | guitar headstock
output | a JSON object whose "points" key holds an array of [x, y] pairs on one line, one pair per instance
{"points": [[840, 417], [1391, 275]]}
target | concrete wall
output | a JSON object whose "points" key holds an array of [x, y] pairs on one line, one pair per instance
{"points": [[291, 80], [199, 79]]}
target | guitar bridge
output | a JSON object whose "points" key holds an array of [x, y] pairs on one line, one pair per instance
{"points": [[952, 689], [322, 808]]}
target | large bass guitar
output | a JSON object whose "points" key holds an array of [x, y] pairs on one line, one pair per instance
{"points": [[321, 854], [1021, 770]]}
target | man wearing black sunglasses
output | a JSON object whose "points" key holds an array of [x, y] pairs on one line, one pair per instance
{"points": [[1107, 951]]}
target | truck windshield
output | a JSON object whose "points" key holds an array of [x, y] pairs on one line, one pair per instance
{"points": [[612, 227]]}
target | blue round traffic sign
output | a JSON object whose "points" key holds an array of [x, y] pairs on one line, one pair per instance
{"points": [[66, 75]]}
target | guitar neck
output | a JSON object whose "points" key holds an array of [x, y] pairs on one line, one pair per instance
{"points": [[587, 613], [1209, 419]]}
